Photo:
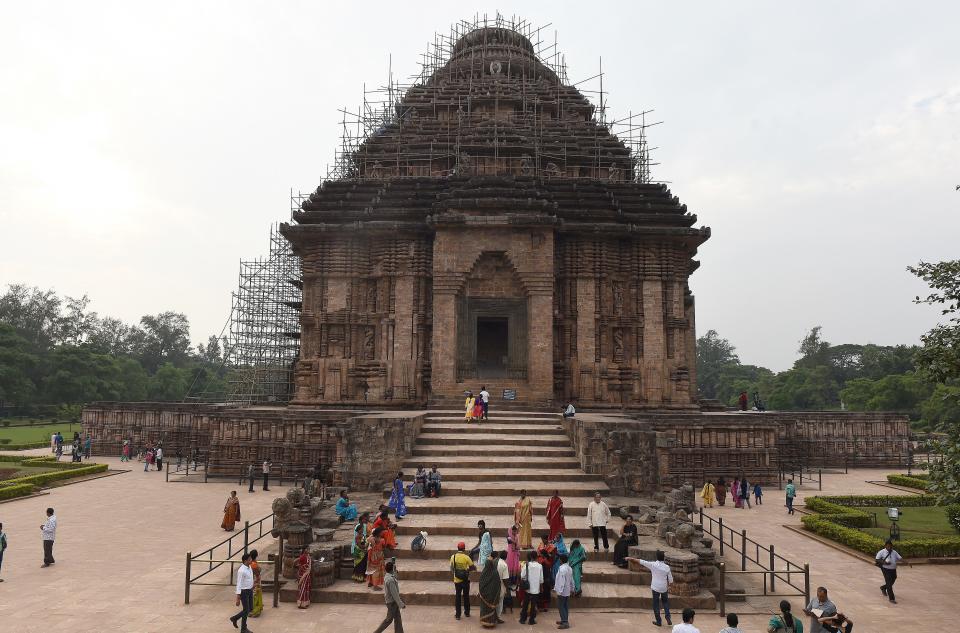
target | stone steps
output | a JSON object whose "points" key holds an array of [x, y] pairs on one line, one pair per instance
{"points": [[465, 525], [442, 546], [494, 427], [593, 572], [577, 496], [547, 463], [440, 593], [491, 440], [477, 475], [492, 452]]}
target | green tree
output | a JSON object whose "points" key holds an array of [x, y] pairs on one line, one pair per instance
{"points": [[804, 388], [897, 392], [17, 363], [813, 349], [169, 384], [714, 354], [166, 339], [939, 358]]}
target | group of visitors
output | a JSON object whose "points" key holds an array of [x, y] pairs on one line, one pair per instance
{"points": [[476, 407], [80, 447], [425, 483], [152, 455], [743, 402], [739, 490]]}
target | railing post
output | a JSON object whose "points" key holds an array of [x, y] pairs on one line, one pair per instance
{"points": [[276, 578], [246, 536], [186, 584], [806, 583], [166, 472], [820, 479], [743, 550], [773, 570], [720, 523], [723, 589], [701, 517], [206, 470]]}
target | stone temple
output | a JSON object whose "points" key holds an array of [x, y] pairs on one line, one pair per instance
{"points": [[495, 232], [491, 230]]}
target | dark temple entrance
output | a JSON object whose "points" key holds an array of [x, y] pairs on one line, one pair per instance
{"points": [[493, 346]]}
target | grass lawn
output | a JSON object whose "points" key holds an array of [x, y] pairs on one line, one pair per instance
{"points": [[12, 470], [38, 433], [920, 522]]}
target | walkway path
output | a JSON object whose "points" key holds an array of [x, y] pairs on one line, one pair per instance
{"points": [[122, 540]]}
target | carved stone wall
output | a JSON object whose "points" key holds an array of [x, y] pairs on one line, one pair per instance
{"points": [[649, 452], [366, 320], [623, 324], [355, 449]]}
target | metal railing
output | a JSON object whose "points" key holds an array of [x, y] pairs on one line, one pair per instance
{"points": [[277, 473], [763, 556], [797, 474], [183, 469], [226, 552]]}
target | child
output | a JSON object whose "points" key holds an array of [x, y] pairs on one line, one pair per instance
{"points": [[757, 494]]}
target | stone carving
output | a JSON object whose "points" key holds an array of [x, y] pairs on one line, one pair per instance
{"points": [[552, 171], [618, 356], [618, 297], [526, 165], [368, 343], [464, 165]]}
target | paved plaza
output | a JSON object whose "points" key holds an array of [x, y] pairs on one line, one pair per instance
{"points": [[121, 543]]}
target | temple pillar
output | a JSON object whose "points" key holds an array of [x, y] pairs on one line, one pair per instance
{"points": [[654, 341]]}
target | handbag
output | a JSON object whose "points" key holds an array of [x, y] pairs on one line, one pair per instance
{"points": [[524, 581]]}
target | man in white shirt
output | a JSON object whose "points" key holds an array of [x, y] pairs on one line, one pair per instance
{"points": [[244, 594], [49, 533], [158, 457], [504, 572], [563, 585], [485, 401], [569, 411], [687, 626], [532, 572], [598, 513], [660, 580], [888, 558], [266, 474]]}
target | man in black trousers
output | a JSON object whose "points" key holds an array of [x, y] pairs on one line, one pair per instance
{"points": [[244, 595]]}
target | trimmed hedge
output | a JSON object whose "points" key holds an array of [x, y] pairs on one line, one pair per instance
{"points": [[836, 520], [25, 447], [953, 515], [907, 481], [862, 501], [20, 490], [45, 478]]}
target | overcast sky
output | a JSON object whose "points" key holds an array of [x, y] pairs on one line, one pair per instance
{"points": [[145, 148]]}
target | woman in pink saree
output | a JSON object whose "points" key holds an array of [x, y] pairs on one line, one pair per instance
{"points": [[304, 581]]}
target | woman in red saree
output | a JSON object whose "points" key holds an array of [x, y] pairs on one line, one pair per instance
{"points": [[383, 521], [375, 563], [304, 581], [231, 512], [555, 515]]}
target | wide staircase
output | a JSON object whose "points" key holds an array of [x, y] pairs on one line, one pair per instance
{"points": [[484, 467]]}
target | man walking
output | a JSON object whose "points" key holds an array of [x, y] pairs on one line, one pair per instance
{"points": [[887, 559], [598, 513], [267, 464], [250, 473], [87, 445], [3, 546], [532, 573], [485, 401], [659, 584], [391, 595], [461, 565], [244, 594], [49, 533], [791, 493], [563, 585]]}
